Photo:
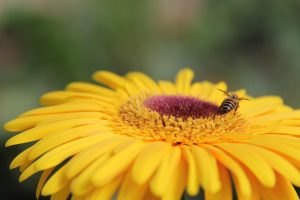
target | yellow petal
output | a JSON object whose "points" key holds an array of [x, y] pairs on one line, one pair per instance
{"points": [[286, 139], [241, 178], [55, 183], [24, 123], [146, 80], [202, 90], [131, 89], [122, 94], [216, 95], [271, 99], [150, 195], [176, 185], [74, 197], [283, 147], [42, 131], [167, 87], [290, 123], [130, 190], [42, 181], [226, 191], [281, 165], [283, 190], [56, 156], [62, 194], [58, 97], [195, 89], [107, 191], [55, 97], [255, 162], [192, 178], [162, 177], [21, 159], [52, 118], [24, 166], [81, 184], [148, 161], [29, 171], [53, 140], [20, 124], [259, 106], [207, 164], [110, 79], [183, 80], [294, 115], [138, 82], [59, 154], [240, 93], [64, 108], [80, 161], [90, 88], [254, 187], [117, 164], [287, 130]]}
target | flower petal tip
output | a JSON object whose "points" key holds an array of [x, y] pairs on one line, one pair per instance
{"points": [[9, 143], [12, 166], [13, 141], [10, 126]]}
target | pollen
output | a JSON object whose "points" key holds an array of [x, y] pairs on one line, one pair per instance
{"points": [[180, 120]]}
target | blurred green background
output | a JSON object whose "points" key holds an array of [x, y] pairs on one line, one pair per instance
{"points": [[46, 44]]}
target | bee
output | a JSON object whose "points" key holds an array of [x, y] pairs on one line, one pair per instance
{"points": [[231, 102]]}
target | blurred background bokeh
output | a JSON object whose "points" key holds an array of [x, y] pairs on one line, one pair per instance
{"points": [[46, 44]]}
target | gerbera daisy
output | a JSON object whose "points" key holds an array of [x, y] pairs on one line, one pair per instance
{"points": [[141, 139]]}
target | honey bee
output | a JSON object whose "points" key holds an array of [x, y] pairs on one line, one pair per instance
{"points": [[231, 102]]}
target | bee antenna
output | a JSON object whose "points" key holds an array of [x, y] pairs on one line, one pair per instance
{"points": [[243, 98], [225, 92]]}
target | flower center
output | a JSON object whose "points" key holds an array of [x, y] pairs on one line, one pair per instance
{"points": [[177, 120], [181, 106]]}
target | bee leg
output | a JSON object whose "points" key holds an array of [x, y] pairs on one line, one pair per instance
{"points": [[236, 109]]}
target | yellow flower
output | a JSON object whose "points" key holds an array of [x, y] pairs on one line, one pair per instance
{"points": [[143, 139]]}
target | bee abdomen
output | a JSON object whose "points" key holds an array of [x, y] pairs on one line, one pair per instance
{"points": [[227, 106]]}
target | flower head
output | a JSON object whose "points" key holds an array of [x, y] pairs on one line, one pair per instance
{"points": [[142, 139]]}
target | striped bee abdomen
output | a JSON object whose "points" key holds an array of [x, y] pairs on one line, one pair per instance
{"points": [[228, 105]]}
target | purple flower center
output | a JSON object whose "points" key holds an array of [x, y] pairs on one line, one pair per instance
{"points": [[181, 106]]}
